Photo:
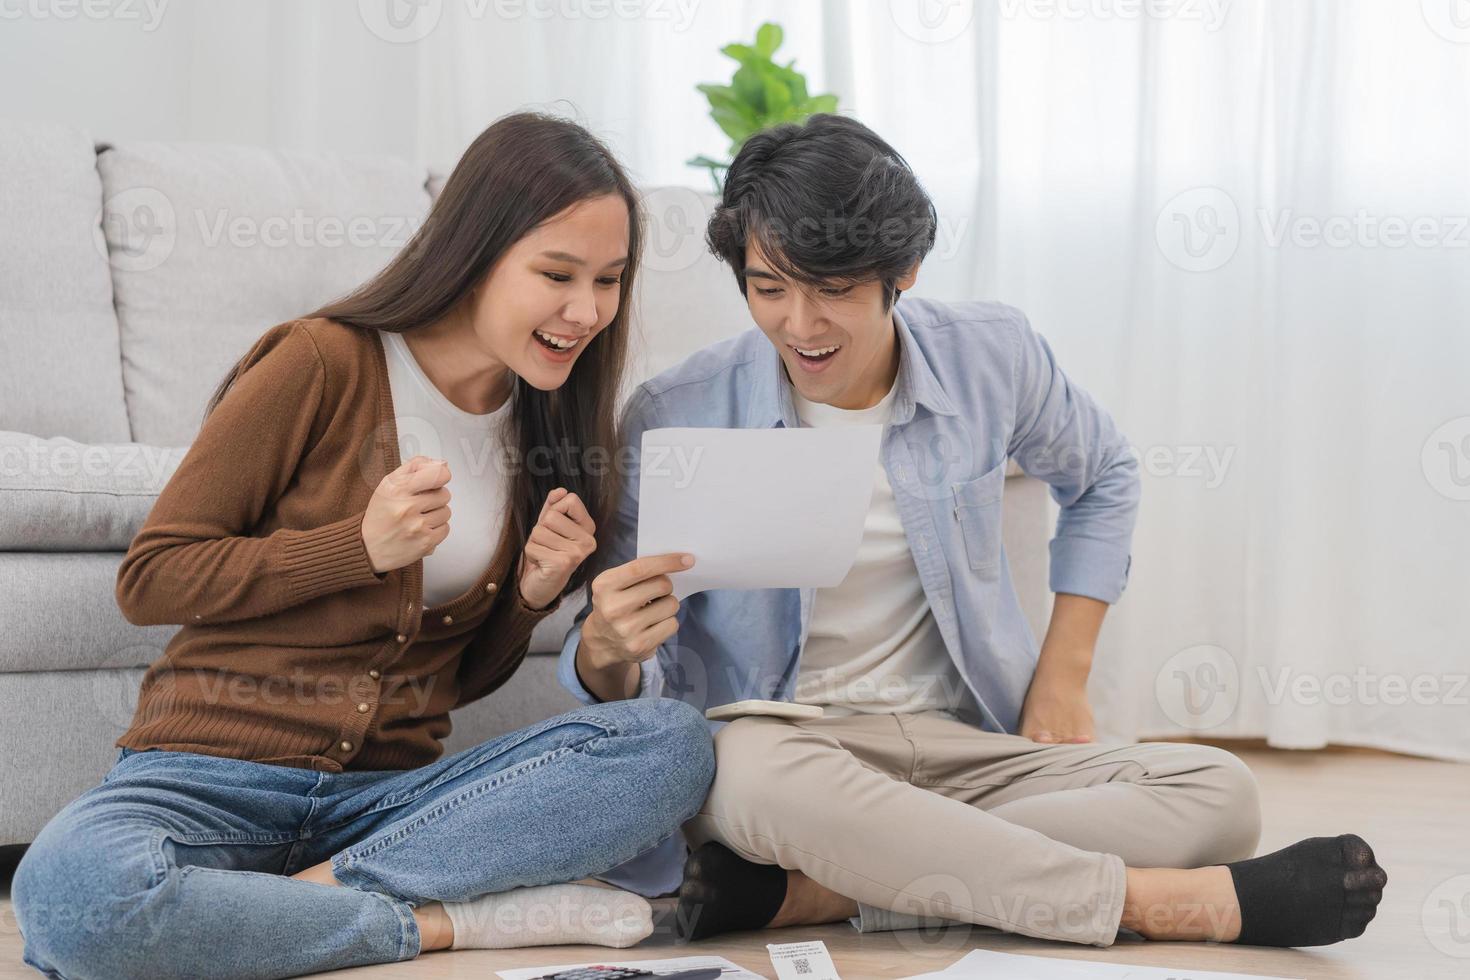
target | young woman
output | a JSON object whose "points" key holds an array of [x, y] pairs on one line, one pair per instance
{"points": [[279, 805]]}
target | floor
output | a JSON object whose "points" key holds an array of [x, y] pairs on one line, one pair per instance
{"points": [[1414, 812]]}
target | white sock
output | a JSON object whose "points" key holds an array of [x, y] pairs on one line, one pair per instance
{"points": [[551, 915]]}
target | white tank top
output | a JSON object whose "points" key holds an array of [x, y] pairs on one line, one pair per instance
{"points": [[429, 424]]}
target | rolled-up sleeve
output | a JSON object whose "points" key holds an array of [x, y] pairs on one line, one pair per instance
{"points": [[1065, 438]]}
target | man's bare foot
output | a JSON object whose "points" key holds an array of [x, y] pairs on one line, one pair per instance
{"points": [[809, 904], [1193, 905]]}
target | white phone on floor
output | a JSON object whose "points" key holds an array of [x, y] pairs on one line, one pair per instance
{"points": [[754, 706]]}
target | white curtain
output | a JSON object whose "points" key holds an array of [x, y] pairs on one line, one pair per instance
{"points": [[1241, 223], [1245, 231]]}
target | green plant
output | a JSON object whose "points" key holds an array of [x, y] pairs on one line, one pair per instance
{"points": [[761, 94]]}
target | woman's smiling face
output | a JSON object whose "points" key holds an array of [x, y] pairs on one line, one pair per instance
{"points": [[554, 290]]}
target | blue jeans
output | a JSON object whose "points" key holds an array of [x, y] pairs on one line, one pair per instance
{"points": [[176, 864]]}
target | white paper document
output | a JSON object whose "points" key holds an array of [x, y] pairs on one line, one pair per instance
{"points": [[802, 961], [984, 964], [757, 508], [729, 971]]}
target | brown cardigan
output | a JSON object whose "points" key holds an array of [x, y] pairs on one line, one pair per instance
{"points": [[293, 651]]}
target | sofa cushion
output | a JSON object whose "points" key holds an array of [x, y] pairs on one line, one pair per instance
{"points": [[58, 335], [61, 495], [61, 614], [213, 244]]}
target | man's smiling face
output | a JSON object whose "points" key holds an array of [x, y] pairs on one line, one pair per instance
{"points": [[838, 341]]}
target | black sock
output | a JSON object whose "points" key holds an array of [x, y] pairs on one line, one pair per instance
{"points": [[723, 892], [1317, 891]]}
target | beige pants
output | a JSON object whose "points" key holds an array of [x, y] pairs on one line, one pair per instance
{"points": [[930, 817]]}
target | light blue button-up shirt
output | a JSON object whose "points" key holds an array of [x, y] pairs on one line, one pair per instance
{"points": [[976, 386]]}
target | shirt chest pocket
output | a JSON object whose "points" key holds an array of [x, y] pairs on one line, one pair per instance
{"points": [[977, 508]]}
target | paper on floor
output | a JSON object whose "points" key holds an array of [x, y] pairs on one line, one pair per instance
{"points": [[984, 964], [802, 961], [731, 971], [758, 508]]}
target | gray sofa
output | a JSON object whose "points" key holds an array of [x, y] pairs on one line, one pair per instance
{"points": [[132, 275]]}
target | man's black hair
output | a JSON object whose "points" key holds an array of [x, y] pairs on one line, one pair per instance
{"points": [[828, 202]]}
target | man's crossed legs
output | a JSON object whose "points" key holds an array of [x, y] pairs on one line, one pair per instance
{"points": [[929, 817]]}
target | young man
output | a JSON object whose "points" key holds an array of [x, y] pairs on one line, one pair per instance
{"points": [[953, 774]]}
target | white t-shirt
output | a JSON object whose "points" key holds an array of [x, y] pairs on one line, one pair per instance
{"points": [[429, 424], [873, 646]]}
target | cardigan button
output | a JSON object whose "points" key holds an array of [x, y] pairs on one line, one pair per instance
{"points": [[362, 707], [346, 746], [402, 638], [374, 674], [448, 620], [491, 588]]}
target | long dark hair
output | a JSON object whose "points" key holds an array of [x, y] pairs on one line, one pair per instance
{"points": [[521, 171]]}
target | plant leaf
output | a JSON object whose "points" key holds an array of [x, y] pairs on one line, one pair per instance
{"points": [[820, 103], [724, 97], [778, 97], [742, 53], [735, 125], [704, 161], [761, 93], [750, 89], [768, 39], [796, 82]]}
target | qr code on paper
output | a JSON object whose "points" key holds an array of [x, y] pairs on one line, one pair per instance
{"points": [[803, 967]]}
